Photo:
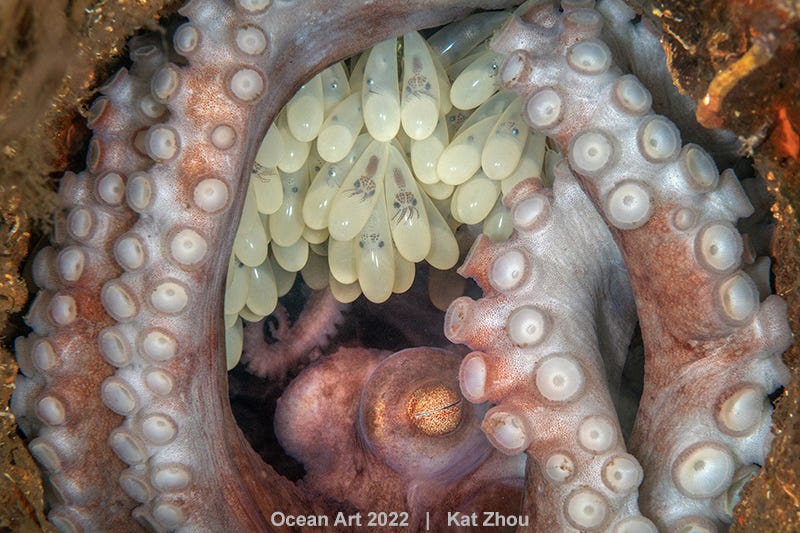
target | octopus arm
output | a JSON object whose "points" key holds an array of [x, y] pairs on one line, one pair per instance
{"points": [[126, 347], [712, 346]]}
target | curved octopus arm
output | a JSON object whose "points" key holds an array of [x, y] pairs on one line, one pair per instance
{"points": [[712, 347], [296, 343], [57, 399], [126, 347], [548, 293]]}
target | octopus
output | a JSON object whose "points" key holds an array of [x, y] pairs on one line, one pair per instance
{"points": [[123, 390]]}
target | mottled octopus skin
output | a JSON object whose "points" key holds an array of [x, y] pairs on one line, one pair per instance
{"points": [[712, 345], [157, 391], [183, 463], [374, 455]]}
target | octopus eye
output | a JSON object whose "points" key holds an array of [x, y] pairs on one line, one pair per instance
{"points": [[380, 244], [414, 202], [413, 417], [397, 205]]}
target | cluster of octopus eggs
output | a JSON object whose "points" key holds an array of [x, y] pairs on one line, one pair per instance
{"points": [[371, 167]]}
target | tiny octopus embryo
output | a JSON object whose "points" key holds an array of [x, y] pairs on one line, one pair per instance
{"points": [[442, 265]]}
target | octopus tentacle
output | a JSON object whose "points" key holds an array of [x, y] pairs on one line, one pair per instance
{"points": [[297, 344], [538, 355], [59, 399], [712, 349]]}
